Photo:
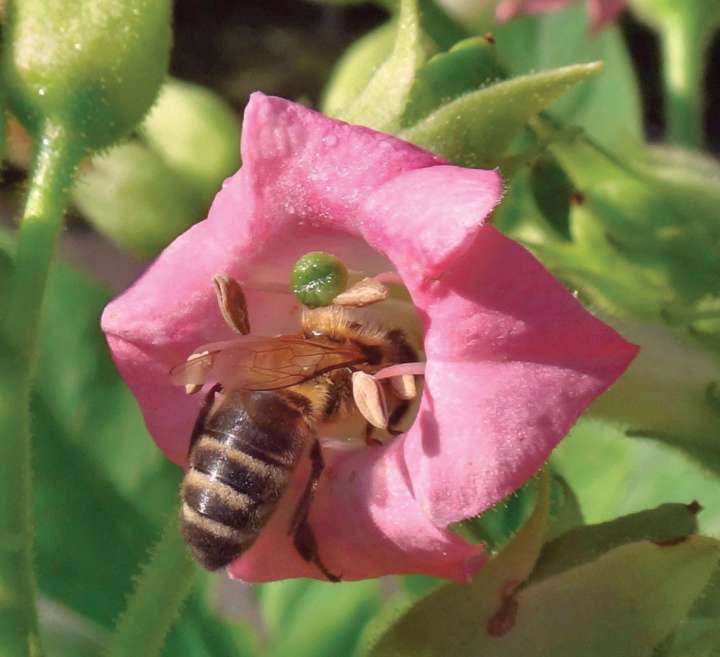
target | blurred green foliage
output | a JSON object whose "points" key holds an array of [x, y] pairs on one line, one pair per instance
{"points": [[632, 229]]}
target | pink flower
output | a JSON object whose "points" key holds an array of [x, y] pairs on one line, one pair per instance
{"points": [[512, 357], [602, 12]]}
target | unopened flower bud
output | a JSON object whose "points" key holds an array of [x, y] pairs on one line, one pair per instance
{"points": [[92, 69]]}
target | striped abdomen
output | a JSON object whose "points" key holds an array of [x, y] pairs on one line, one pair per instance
{"points": [[240, 463]]}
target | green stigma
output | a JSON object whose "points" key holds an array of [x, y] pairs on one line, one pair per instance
{"points": [[318, 277]]}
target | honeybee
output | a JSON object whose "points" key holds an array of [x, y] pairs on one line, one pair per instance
{"points": [[262, 413]]}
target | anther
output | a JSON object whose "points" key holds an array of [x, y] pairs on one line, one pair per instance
{"points": [[370, 399], [232, 304], [363, 293], [404, 386], [192, 388]]}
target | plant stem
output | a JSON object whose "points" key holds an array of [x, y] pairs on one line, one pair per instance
{"points": [[158, 597], [683, 43], [52, 175]]}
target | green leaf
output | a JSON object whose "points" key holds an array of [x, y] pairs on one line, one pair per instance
{"points": [[447, 620], [316, 619], [562, 38], [613, 475], [623, 603], [477, 128], [468, 65], [664, 525], [696, 638], [382, 102]]}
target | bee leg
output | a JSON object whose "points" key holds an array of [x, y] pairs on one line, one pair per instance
{"points": [[202, 414], [303, 537], [232, 304]]}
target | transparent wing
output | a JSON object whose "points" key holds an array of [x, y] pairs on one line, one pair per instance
{"points": [[263, 363]]}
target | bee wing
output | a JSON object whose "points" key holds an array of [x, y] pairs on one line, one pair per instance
{"points": [[263, 363]]}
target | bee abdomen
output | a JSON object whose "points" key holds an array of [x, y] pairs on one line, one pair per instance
{"points": [[228, 496], [240, 463]]}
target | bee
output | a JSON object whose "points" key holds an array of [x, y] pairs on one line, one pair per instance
{"points": [[262, 414]]}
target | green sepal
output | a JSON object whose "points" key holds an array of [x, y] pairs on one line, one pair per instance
{"points": [[664, 525], [477, 128], [131, 195], [625, 602], [468, 65], [381, 103], [355, 67], [92, 71], [531, 43]]}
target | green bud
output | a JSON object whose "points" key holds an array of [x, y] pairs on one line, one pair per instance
{"points": [[196, 133], [355, 68], [92, 69], [318, 277], [134, 198]]}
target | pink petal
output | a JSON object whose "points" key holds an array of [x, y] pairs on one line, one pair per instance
{"points": [[604, 12], [512, 357], [299, 190], [367, 524], [508, 9]]}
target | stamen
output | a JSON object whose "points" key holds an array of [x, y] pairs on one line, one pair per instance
{"points": [[370, 399], [231, 302], [363, 293], [404, 386], [389, 278], [415, 369], [192, 388]]}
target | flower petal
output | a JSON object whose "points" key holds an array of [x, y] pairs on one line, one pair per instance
{"points": [[604, 12], [513, 359], [424, 219], [367, 524], [302, 188]]}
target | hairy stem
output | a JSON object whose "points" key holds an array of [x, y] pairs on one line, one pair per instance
{"points": [[159, 594], [50, 182]]}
